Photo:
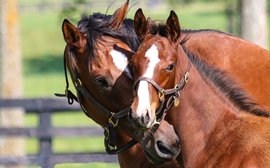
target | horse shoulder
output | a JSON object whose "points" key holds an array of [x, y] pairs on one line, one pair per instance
{"points": [[255, 140], [237, 142]]}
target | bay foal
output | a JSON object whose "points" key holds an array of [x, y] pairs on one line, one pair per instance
{"points": [[212, 130]]}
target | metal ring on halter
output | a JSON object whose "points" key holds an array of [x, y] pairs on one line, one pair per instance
{"points": [[186, 77], [107, 136], [106, 133], [112, 147], [78, 83], [114, 123], [176, 87]]}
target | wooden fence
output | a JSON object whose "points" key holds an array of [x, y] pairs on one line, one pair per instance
{"points": [[45, 132]]}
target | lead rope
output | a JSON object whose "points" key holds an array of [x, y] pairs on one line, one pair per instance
{"points": [[68, 94]]}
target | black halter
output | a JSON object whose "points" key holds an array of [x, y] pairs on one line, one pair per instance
{"points": [[113, 117], [172, 95]]}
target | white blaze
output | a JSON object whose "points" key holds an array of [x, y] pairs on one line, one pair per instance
{"points": [[143, 90], [120, 61]]}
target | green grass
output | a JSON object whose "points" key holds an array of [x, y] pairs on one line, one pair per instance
{"points": [[42, 48], [82, 144]]}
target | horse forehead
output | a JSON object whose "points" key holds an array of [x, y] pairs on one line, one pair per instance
{"points": [[152, 54]]}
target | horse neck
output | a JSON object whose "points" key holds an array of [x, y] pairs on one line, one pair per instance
{"points": [[201, 107]]}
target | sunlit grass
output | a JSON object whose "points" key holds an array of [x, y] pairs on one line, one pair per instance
{"points": [[44, 84], [72, 119], [81, 144]]}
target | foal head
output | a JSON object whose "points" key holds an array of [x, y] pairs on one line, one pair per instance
{"points": [[98, 52], [154, 66]]}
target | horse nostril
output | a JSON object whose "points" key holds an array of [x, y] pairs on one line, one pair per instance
{"points": [[147, 116], [163, 148], [145, 119]]}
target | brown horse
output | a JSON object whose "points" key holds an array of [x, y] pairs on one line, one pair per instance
{"points": [[103, 84], [212, 130]]}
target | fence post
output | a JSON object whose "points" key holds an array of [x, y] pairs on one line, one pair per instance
{"points": [[45, 142]]}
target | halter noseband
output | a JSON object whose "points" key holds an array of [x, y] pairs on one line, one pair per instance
{"points": [[172, 94]]}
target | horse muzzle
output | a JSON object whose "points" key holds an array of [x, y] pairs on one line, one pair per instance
{"points": [[164, 144]]}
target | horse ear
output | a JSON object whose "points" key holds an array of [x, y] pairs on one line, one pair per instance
{"points": [[119, 16], [140, 24], [173, 27], [71, 34]]}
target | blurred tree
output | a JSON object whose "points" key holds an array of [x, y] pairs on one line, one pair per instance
{"points": [[233, 12], [254, 21], [73, 9], [175, 2], [10, 76]]}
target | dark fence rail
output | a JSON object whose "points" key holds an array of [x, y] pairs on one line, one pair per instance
{"points": [[45, 132]]}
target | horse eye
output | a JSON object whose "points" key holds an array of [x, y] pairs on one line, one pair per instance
{"points": [[102, 82], [170, 67]]}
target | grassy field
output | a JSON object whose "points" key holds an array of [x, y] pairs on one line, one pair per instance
{"points": [[42, 48]]}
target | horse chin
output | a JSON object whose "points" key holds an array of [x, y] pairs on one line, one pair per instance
{"points": [[155, 160]]}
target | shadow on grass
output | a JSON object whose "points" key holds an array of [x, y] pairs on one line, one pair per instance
{"points": [[43, 65]]}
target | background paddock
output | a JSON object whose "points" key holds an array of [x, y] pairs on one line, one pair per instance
{"points": [[45, 133]]}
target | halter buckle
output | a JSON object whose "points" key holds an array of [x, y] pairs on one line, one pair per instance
{"points": [[161, 95], [113, 121]]}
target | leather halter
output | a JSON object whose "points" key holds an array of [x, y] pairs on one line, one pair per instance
{"points": [[172, 95], [113, 117]]}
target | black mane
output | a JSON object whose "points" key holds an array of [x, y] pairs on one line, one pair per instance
{"points": [[98, 25], [227, 86], [159, 28]]}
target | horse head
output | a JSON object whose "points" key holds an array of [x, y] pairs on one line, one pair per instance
{"points": [[156, 78]]}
